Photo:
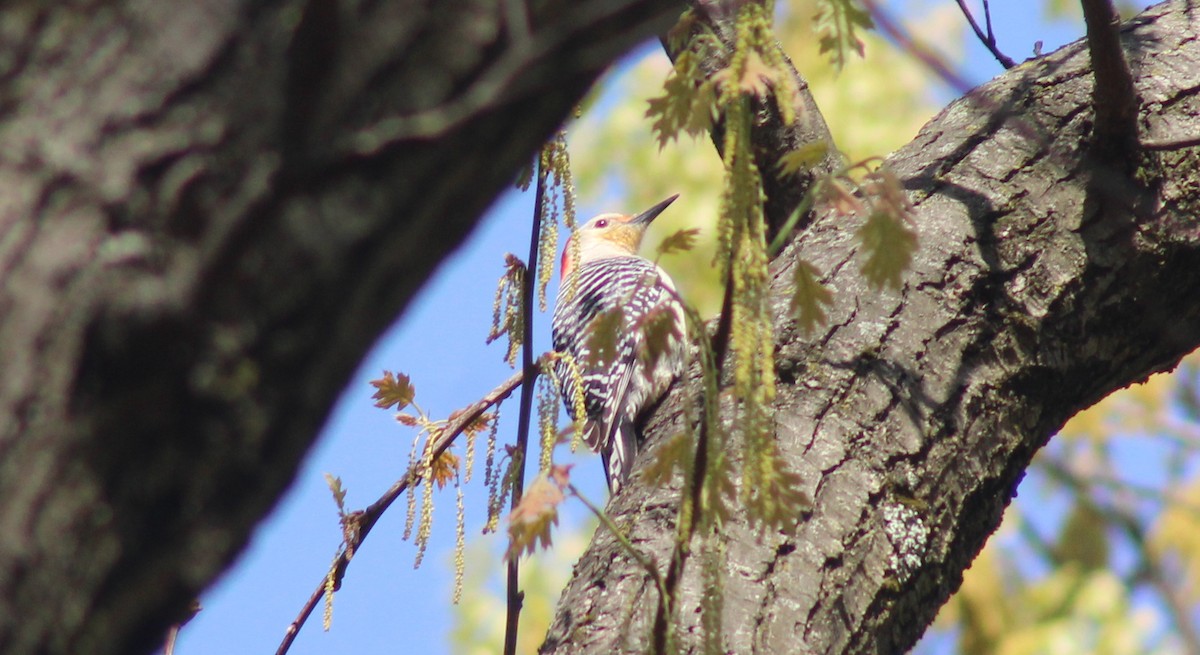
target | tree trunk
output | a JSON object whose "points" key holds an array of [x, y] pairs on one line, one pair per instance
{"points": [[1044, 280], [210, 210]]}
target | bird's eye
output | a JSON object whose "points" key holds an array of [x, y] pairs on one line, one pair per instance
{"points": [[602, 223]]}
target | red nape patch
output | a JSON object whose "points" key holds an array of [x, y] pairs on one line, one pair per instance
{"points": [[565, 264]]}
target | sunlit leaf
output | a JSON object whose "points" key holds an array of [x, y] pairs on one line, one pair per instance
{"points": [[530, 521], [393, 390], [679, 241], [836, 24], [602, 338], [339, 494], [803, 158], [757, 76], [443, 468], [674, 455], [810, 297], [887, 248]]}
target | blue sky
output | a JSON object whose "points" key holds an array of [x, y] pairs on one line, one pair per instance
{"points": [[385, 606]]}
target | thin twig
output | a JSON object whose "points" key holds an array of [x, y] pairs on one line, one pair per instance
{"points": [[712, 355], [988, 40], [1114, 99], [369, 516], [931, 59], [515, 596], [646, 561], [1171, 144]]}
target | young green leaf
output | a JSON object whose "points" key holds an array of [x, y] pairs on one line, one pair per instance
{"points": [[674, 455], [679, 241], [888, 246], [836, 23], [339, 494], [443, 468], [659, 329], [530, 521], [393, 391], [602, 338], [809, 298], [803, 158], [688, 102]]}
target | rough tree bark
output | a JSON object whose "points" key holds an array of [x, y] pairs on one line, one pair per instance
{"points": [[1045, 280], [208, 212]]}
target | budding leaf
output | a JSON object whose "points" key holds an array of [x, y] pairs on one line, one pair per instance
{"points": [[688, 101], [602, 339], [836, 23], [803, 158], [339, 494], [476, 426], [659, 329], [757, 76], [810, 297], [679, 241], [393, 390], [443, 468], [530, 521], [888, 246], [674, 455]]}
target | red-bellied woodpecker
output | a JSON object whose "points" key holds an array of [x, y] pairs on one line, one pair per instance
{"points": [[645, 351]]}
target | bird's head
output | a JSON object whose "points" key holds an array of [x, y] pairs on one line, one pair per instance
{"points": [[609, 235]]}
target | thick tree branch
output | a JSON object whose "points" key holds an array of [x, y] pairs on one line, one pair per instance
{"points": [[771, 136], [211, 210], [1020, 309]]}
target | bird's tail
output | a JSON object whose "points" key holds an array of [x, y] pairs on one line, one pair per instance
{"points": [[618, 454]]}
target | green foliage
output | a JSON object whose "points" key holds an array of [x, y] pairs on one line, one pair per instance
{"points": [[603, 333], [659, 331], [888, 245], [530, 522], [837, 24], [673, 456], [803, 158], [507, 318], [556, 165], [678, 241], [476, 628], [809, 298], [1118, 572], [688, 103], [1084, 538]]}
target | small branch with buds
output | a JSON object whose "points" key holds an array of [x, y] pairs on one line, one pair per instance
{"points": [[366, 519]]}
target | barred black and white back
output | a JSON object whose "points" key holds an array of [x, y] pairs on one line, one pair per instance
{"points": [[615, 395]]}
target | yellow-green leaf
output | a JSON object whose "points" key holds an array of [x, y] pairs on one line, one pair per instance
{"points": [[602, 339], [887, 248], [531, 520], [836, 24], [679, 241], [809, 298], [339, 494], [674, 455], [803, 158]]}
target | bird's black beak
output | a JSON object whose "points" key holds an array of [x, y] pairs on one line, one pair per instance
{"points": [[645, 217]]}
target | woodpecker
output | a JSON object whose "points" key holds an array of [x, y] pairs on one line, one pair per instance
{"points": [[611, 275]]}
